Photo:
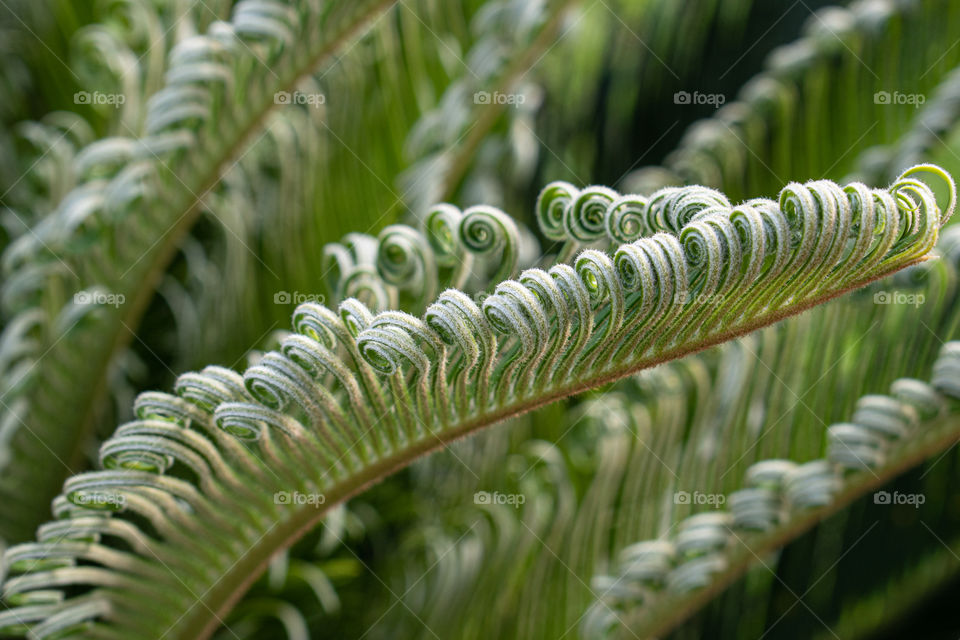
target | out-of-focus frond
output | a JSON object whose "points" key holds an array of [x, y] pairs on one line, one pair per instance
{"points": [[832, 91], [936, 119], [137, 198]]}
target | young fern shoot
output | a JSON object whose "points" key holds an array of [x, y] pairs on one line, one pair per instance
{"points": [[352, 396]]}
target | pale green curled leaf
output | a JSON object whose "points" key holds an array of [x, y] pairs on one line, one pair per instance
{"points": [[661, 581], [599, 216], [139, 198], [210, 482], [406, 268], [600, 474], [338, 158]]}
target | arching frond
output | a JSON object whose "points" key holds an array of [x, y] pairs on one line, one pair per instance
{"points": [[632, 463], [155, 187], [210, 482], [661, 581]]}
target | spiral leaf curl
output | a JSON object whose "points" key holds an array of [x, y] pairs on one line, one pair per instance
{"points": [[600, 215], [141, 185], [405, 267], [353, 395], [621, 437], [655, 574]]}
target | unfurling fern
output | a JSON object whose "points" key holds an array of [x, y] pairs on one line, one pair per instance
{"points": [[143, 191], [405, 268], [599, 473], [779, 499], [208, 483]]}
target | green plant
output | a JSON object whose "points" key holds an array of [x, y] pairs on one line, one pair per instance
{"points": [[204, 197]]}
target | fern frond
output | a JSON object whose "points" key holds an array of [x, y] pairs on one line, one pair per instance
{"points": [[601, 475], [212, 474], [934, 121], [843, 60], [406, 268], [779, 499], [172, 168]]}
